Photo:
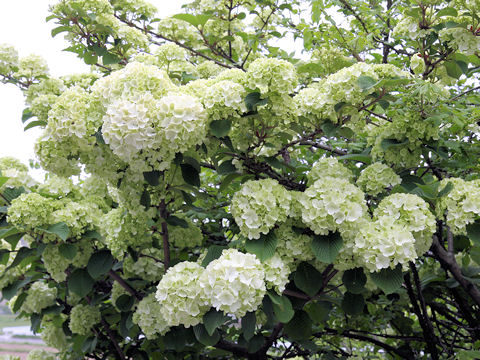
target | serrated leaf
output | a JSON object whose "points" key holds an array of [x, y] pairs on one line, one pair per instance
{"points": [[22, 254], [109, 59], [366, 159], [308, 279], [446, 190], [190, 175], [447, 12], [353, 304], [152, 177], [26, 114], [264, 247], [226, 168], [326, 247], [92, 234], [388, 143], [68, 251], [220, 128], [248, 325], [60, 229], [176, 221], [213, 253], [319, 311], [253, 100], [195, 20], [100, 263], [227, 181], [124, 302], [366, 82], [473, 232], [300, 327], [10, 291], [60, 29], [354, 280], [202, 335], [11, 194], [90, 58], [388, 280], [33, 124], [212, 320], [282, 307], [145, 199], [80, 282]]}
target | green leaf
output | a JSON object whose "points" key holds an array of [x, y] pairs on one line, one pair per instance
{"points": [[99, 136], [60, 229], [446, 190], [213, 253], [202, 335], [3, 180], [264, 247], [176, 221], [319, 311], [226, 168], [447, 12], [300, 327], [145, 199], [4, 233], [241, 16], [195, 20], [80, 282], [220, 128], [389, 280], [190, 175], [10, 291], [19, 302], [125, 302], [326, 247], [473, 232], [92, 235], [255, 343], [11, 194], [308, 279], [253, 100], [152, 177], [353, 304], [227, 181], [366, 82], [212, 320], [282, 307], [354, 280], [33, 124], [248, 325], [475, 254], [35, 320], [60, 29], [27, 114], [453, 69], [23, 253], [90, 58], [68, 251], [109, 59], [388, 143], [366, 159], [100, 263]]}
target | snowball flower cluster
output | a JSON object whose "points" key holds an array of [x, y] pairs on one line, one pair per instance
{"points": [[329, 167], [259, 205], [16, 172], [39, 297], [234, 283], [276, 273], [145, 267], [271, 76], [329, 202], [462, 204], [83, 318], [375, 178], [181, 298], [417, 64], [224, 99], [292, 245], [148, 316], [458, 37], [8, 58], [185, 237], [41, 355], [53, 335], [31, 210]]}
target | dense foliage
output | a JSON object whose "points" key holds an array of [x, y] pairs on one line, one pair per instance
{"points": [[211, 195]]}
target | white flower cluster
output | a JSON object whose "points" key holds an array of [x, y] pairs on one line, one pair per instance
{"points": [[331, 202], [224, 99], [80, 216], [39, 297], [16, 172], [8, 59], [259, 205], [417, 64], [291, 245], [276, 271], [83, 318], [462, 204], [462, 39], [375, 178], [55, 263], [329, 167], [53, 335], [29, 211], [148, 267], [182, 238], [148, 316], [41, 355], [271, 76], [234, 283], [180, 295]]}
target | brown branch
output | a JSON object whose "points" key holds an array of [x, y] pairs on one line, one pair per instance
{"points": [[124, 284], [463, 93], [448, 262], [166, 245]]}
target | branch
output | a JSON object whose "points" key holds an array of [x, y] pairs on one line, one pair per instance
{"points": [[447, 261], [463, 93], [166, 245], [124, 284]]}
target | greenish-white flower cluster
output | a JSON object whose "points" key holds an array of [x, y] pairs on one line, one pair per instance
{"points": [[53, 335], [39, 297], [276, 271], [259, 205], [16, 172], [461, 205], [235, 283], [148, 316], [41, 355], [180, 295], [270, 75], [83, 318], [375, 178], [329, 167], [188, 237]]}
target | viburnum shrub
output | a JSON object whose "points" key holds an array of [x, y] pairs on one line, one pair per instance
{"points": [[211, 195]]}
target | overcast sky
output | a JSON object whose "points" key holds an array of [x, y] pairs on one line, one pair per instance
{"points": [[23, 26]]}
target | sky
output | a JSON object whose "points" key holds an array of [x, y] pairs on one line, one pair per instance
{"points": [[23, 26]]}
